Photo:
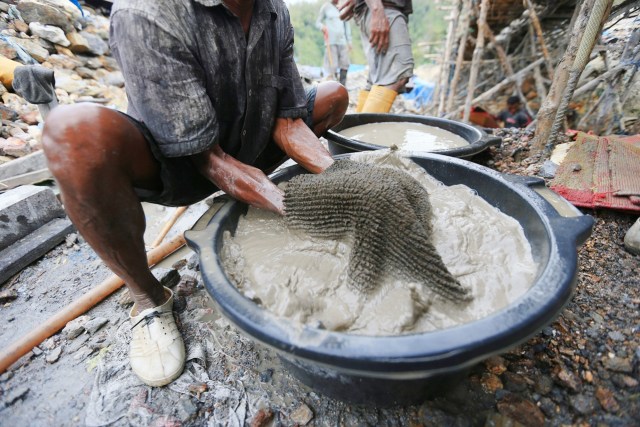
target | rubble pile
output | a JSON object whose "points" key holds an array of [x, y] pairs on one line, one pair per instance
{"points": [[56, 35]]}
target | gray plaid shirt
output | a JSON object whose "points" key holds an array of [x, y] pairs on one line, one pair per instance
{"points": [[195, 80]]}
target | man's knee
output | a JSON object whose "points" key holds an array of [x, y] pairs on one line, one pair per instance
{"points": [[333, 98]]}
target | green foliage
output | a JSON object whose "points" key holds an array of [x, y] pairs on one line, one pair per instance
{"points": [[426, 24]]}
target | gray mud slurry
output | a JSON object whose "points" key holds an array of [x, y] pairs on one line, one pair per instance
{"points": [[304, 278], [406, 136]]}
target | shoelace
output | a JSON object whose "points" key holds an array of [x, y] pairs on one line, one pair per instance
{"points": [[149, 318]]}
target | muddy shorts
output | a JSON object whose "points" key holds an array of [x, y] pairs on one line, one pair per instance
{"points": [[182, 185], [397, 63]]}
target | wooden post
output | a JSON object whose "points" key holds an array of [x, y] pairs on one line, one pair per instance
{"points": [[446, 67], [537, 75], [497, 88], [504, 61], [547, 112], [467, 12], [543, 46], [477, 56], [597, 15]]}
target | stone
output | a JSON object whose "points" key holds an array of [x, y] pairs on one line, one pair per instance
{"points": [[262, 418], [20, 26], [86, 73], [544, 384], [616, 336], [45, 13], [8, 295], [31, 117], [75, 327], [607, 400], [548, 169], [583, 404], [7, 50], [30, 163], [568, 380], [632, 238], [523, 411], [14, 394], [25, 209], [53, 355], [496, 365], [36, 351], [618, 364], [58, 61], [84, 42], [33, 48], [70, 84], [15, 147], [491, 383], [7, 113], [4, 6], [97, 46], [301, 415], [93, 325], [168, 277], [114, 78], [186, 409], [50, 33]]}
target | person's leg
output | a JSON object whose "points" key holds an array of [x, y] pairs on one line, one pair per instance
{"points": [[331, 102], [98, 157]]}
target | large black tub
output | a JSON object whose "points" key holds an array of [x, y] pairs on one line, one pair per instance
{"points": [[478, 140], [405, 369]]}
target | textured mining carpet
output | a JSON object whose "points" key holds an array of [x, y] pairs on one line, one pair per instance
{"points": [[601, 172]]}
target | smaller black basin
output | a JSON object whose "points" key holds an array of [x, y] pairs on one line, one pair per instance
{"points": [[478, 140]]}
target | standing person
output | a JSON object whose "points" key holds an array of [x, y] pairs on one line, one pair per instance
{"points": [[514, 115], [337, 40], [384, 23], [215, 100]]}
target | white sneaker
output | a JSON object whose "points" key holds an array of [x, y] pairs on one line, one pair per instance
{"points": [[156, 353]]}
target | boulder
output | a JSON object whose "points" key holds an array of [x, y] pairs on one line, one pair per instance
{"points": [[33, 48], [50, 33], [85, 42], [632, 238], [45, 12]]}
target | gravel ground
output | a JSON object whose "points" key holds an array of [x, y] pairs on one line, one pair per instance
{"points": [[582, 369]]}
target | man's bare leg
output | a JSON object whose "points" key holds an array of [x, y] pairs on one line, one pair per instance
{"points": [[98, 157], [332, 101]]}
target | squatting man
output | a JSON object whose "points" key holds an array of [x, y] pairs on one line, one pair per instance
{"points": [[215, 101]]}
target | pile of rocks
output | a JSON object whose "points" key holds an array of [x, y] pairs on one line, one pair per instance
{"points": [[55, 34]]}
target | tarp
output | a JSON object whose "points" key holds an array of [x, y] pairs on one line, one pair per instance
{"points": [[601, 172]]}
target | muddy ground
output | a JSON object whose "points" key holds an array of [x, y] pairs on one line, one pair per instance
{"points": [[582, 369]]}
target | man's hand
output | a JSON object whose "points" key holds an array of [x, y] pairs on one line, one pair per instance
{"points": [[378, 27], [346, 8], [295, 138], [240, 181]]}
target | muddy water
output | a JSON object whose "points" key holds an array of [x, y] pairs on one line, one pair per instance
{"points": [[406, 136], [301, 278]]}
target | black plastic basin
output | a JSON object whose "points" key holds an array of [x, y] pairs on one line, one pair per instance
{"points": [[405, 369], [478, 140]]}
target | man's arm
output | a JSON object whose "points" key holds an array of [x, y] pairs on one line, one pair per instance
{"points": [[295, 138], [378, 26], [241, 181]]}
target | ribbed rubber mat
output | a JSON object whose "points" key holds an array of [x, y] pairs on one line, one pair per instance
{"points": [[601, 172]]}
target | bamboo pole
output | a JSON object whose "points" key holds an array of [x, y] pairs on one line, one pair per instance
{"points": [[508, 69], [467, 12], [537, 75], [167, 226], [497, 88], [543, 45], [547, 112], [53, 324], [477, 56], [445, 68], [596, 19]]}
